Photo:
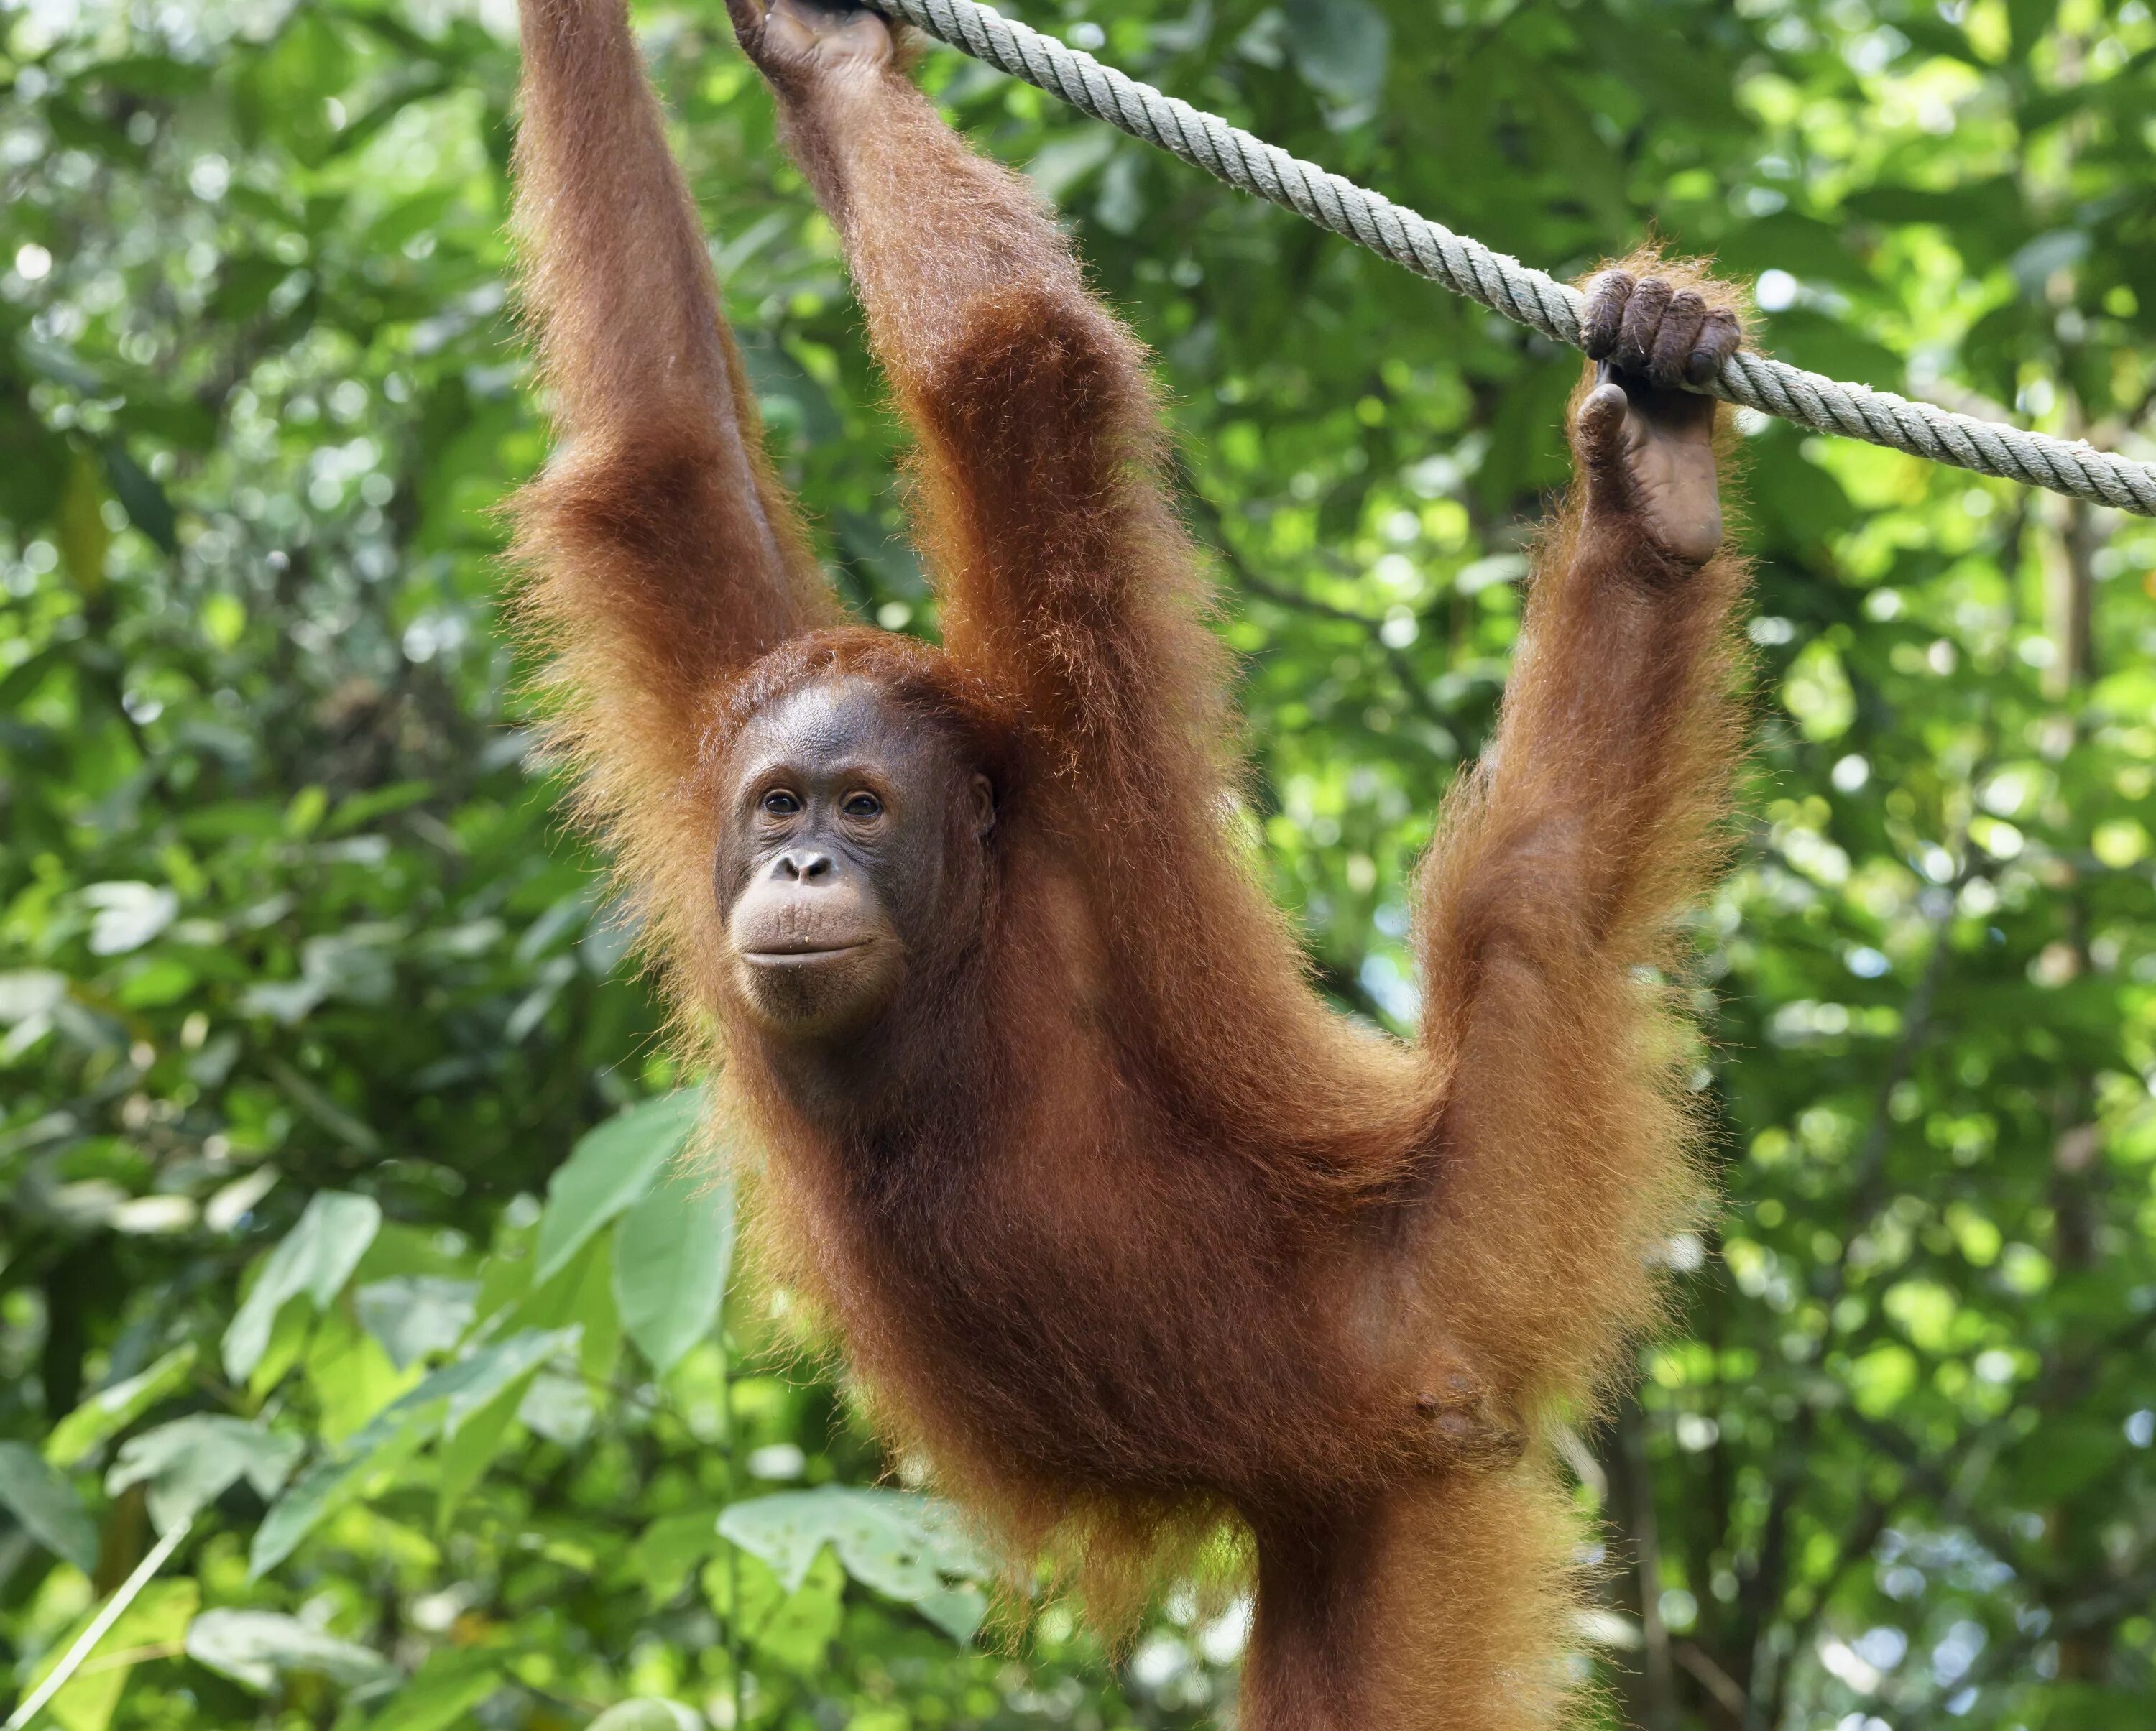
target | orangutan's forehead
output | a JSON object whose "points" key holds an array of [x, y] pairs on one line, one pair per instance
{"points": [[829, 715], [844, 720]]}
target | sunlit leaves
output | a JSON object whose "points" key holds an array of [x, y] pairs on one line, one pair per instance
{"points": [[647, 1716], [669, 1550], [46, 1505], [672, 1255], [154, 1624], [313, 1262], [447, 1687], [913, 1549], [440, 1405], [415, 1315], [610, 1169], [257, 1647], [193, 1460], [127, 915], [111, 1409]]}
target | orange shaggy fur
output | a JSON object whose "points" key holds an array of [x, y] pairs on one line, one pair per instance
{"points": [[1152, 1244]]}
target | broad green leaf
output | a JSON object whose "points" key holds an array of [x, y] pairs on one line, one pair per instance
{"points": [[332, 1483], [470, 1383], [439, 1406], [788, 1627], [448, 1687], [164, 980], [910, 1548], [608, 1170], [193, 1460], [464, 1458], [669, 1549], [156, 1620], [112, 1410], [671, 1255], [559, 1408], [315, 1260], [254, 1647], [350, 1376], [46, 1504], [288, 1338], [958, 1611], [577, 1294], [415, 1316], [592, 1309]]}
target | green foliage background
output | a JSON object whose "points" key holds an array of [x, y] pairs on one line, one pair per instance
{"points": [[305, 998]]}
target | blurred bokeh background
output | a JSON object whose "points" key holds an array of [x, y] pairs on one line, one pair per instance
{"points": [[306, 996]]}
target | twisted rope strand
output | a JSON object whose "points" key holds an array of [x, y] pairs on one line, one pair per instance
{"points": [[1526, 295]]}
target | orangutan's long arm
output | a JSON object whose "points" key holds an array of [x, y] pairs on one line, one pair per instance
{"points": [[1561, 869], [1064, 575], [666, 553]]}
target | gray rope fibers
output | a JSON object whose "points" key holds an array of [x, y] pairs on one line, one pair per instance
{"points": [[1504, 284]]}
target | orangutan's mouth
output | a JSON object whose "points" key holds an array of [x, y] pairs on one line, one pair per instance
{"points": [[794, 954]]}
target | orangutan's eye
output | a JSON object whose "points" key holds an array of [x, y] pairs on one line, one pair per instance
{"points": [[779, 803], [864, 804]]}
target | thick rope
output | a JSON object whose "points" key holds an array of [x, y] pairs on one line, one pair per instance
{"points": [[1504, 284]]}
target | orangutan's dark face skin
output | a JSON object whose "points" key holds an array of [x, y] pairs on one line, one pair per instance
{"points": [[851, 844]]}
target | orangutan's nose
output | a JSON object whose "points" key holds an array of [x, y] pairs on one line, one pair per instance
{"points": [[799, 866]]}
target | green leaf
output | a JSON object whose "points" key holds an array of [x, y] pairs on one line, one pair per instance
{"points": [[469, 1383], [315, 1260], [330, 1484], [47, 1506], [668, 1549], [448, 1686], [350, 1376], [30, 991], [163, 981], [158, 1618], [128, 915], [465, 1458], [254, 1647], [415, 1316], [790, 1628], [141, 497], [670, 1260], [79, 518], [193, 1460], [647, 1715], [441, 1404], [111, 1410], [592, 1308], [559, 1408], [910, 1548], [608, 1170]]}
